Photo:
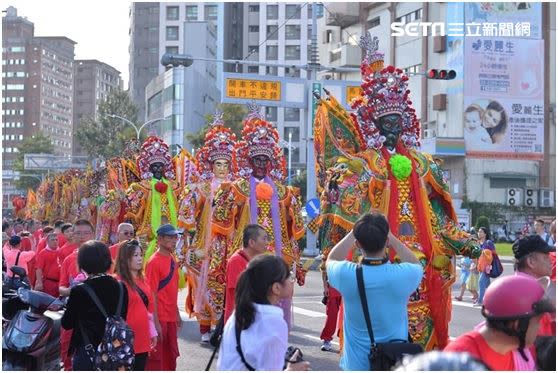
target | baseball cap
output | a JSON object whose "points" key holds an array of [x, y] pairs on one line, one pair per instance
{"points": [[167, 230], [15, 240], [531, 244]]}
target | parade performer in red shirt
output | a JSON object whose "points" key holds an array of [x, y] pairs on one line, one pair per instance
{"points": [[47, 267], [162, 276]]}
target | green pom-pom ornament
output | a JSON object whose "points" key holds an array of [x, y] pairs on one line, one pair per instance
{"points": [[401, 166]]}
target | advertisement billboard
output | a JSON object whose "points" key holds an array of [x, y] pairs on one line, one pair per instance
{"points": [[504, 98]]}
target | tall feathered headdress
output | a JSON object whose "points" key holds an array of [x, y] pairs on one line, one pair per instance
{"points": [[385, 91], [259, 137]]}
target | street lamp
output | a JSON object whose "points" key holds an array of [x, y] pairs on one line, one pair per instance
{"points": [[290, 151], [138, 130]]}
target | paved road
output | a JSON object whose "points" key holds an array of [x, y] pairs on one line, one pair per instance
{"points": [[309, 317]]}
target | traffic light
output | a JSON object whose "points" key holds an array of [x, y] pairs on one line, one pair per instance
{"points": [[441, 74], [175, 60]]}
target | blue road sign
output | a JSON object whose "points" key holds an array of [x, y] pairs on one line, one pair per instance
{"points": [[313, 207]]}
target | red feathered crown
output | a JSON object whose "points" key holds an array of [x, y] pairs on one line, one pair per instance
{"points": [[259, 137], [384, 92], [154, 150], [219, 144]]}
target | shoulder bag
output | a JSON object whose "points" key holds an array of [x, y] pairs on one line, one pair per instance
{"points": [[383, 356]]}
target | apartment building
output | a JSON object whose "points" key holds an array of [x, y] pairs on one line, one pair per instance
{"points": [[94, 80]]}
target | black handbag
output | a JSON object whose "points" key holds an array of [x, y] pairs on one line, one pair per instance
{"points": [[383, 356]]}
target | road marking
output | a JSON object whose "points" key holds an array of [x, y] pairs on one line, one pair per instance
{"points": [[463, 304], [318, 339], [184, 316], [305, 312]]}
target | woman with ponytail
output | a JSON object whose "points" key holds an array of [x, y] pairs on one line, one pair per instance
{"points": [[255, 336]]}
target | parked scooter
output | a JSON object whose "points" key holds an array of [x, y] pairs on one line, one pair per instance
{"points": [[31, 338], [11, 303]]}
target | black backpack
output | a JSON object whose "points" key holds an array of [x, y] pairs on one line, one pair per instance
{"points": [[116, 350]]}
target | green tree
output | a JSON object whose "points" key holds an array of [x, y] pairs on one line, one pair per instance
{"points": [[483, 221], [105, 137], [233, 115], [38, 143]]}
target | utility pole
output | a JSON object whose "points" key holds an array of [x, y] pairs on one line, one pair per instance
{"points": [[312, 85]]}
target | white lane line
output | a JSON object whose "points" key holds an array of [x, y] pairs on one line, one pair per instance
{"points": [[305, 312], [308, 302], [463, 304], [318, 339]]}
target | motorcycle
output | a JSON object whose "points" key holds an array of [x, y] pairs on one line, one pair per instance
{"points": [[11, 303], [31, 338]]}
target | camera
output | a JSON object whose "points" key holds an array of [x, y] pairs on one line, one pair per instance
{"points": [[289, 355], [324, 300]]}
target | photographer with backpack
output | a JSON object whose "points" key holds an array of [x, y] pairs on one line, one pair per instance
{"points": [[99, 300], [484, 263]]}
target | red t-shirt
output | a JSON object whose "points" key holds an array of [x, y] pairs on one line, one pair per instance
{"points": [[48, 262], [37, 235], [114, 251], [61, 239], [42, 244], [69, 270], [157, 269], [26, 244], [475, 344], [547, 325], [137, 315], [235, 266], [66, 250]]}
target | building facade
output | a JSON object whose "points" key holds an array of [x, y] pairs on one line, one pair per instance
{"points": [[439, 106], [37, 86], [94, 80], [184, 96], [158, 28]]}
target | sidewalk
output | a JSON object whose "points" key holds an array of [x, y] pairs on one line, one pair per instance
{"points": [[312, 263]]}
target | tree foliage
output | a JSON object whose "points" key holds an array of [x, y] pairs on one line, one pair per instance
{"points": [[233, 115], [483, 221], [105, 137], [39, 143]]}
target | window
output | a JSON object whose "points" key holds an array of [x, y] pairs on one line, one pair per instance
{"points": [[191, 12], [272, 33], [172, 49], [295, 131], [415, 69], [292, 52], [272, 52], [373, 23], [253, 28], [504, 183], [252, 49], [292, 11], [410, 17], [253, 69], [253, 8], [272, 12], [172, 32], [154, 103], [292, 32], [418, 14], [271, 113], [295, 155], [292, 72], [271, 70], [210, 12], [173, 13], [292, 114]]}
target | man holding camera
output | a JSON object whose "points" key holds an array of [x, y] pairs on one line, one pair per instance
{"points": [[387, 286]]}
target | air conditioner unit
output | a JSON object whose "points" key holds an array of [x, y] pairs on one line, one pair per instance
{"points": [[546, 198], [514, 197], [531, 197]]}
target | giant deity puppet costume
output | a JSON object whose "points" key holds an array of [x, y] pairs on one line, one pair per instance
{"points": [[368, 160], [216, 164], [259, 196], [153, 201]]}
